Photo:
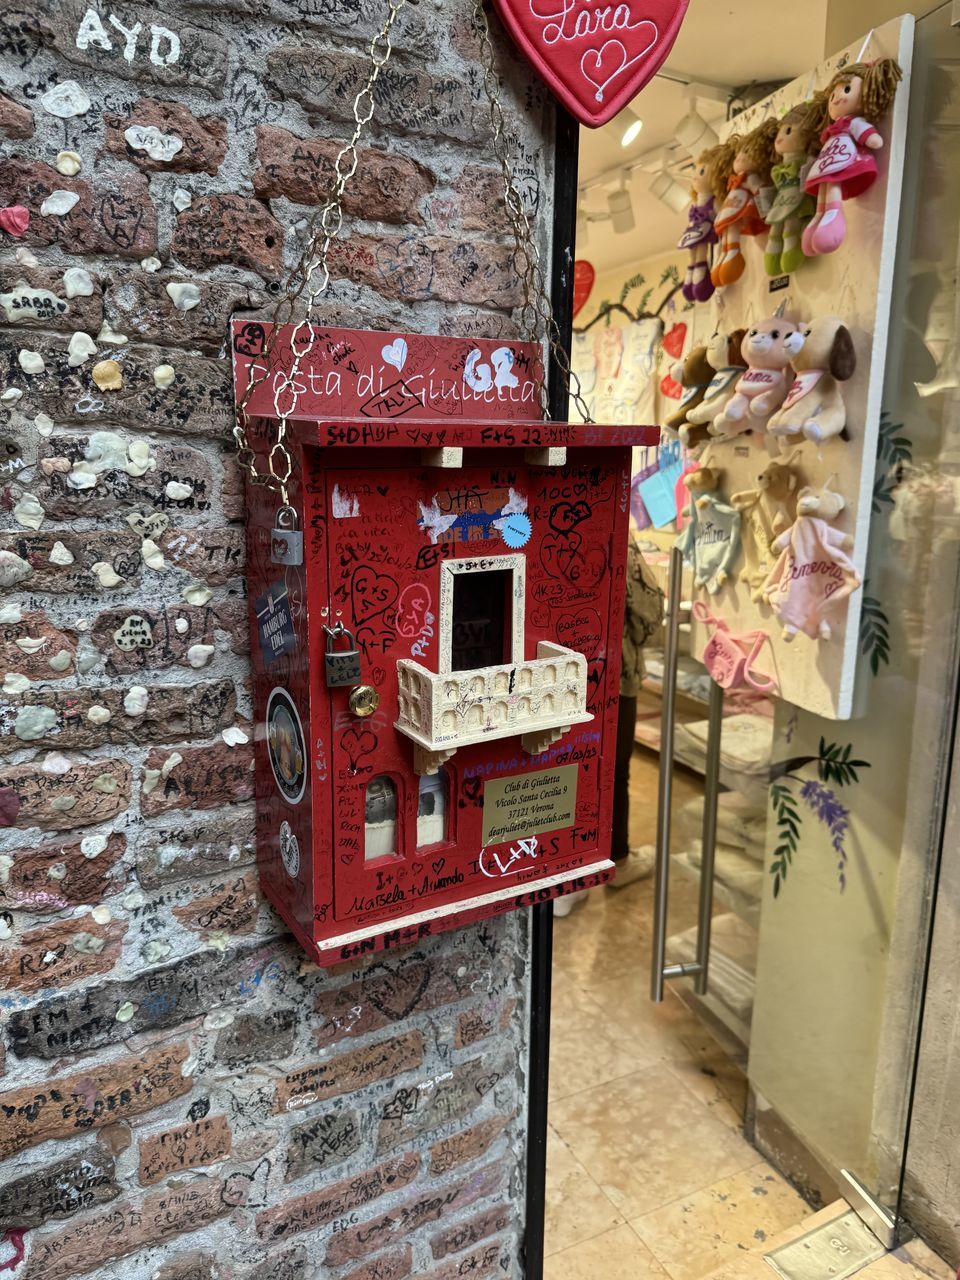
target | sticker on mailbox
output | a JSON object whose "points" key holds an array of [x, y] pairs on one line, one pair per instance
{"points": [[529, 803], [285, 746], [289, 850], [275, 624]]}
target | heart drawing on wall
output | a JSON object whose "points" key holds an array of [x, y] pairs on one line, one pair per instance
{"points": [[595, 59]]}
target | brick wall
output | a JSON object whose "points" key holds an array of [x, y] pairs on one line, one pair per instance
{"points": [[182, 1098]]}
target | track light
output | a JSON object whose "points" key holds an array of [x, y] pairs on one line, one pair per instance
{"points": [[621, 210], [694, 134], [632, 124], [670, 192]]}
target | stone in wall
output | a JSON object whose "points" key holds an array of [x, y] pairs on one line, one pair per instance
{"points": [[199, 845], [57, 955], [28, 645], [416, 267], [138, 304], [197, 778]]}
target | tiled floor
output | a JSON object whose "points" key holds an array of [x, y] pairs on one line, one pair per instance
{"points": [[649, 1177]]}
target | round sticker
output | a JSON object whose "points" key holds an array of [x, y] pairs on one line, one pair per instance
{"points": [[516, 530], [285, 746], [289, 850]]}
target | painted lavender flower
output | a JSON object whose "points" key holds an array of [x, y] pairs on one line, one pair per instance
{"points": [[825, 805]]}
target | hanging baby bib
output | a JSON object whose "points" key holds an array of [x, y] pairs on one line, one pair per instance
{"points": [[595, 58]]}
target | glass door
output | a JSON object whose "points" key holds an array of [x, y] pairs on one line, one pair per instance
{"points": [[819, 977]]}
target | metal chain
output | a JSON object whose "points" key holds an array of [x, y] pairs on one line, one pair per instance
{"points": [[536, 314], [323, 229]]}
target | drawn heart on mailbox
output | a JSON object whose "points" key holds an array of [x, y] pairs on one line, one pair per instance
{"points": [[358, 744], [595, 59], [371, 593], [395, 353]]}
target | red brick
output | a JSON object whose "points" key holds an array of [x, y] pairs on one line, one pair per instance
{"points": [[173, 712], [35, 625], [229, 230], [467, 1145], [28, 884], [30, 309], [478, 1264], [395, 1265], [204, 138], [480, 198], [229, 908], [204, 778], [189, 1146], [91, 1098], [412, 268], [214, 555], [387, 187], [57, 955], [304, 1213], [120, 220], [404, 1219], [125, 1228], [348, 1072], [16, 121], [168, 642], [62, 801], [464, 1235], [388, 993], [120, 550]]}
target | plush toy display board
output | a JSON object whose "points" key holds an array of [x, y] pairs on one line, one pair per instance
{"points": [[827, 426]]}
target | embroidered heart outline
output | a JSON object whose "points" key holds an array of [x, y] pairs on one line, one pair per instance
{"points": [[625, 63], [567, 40]]}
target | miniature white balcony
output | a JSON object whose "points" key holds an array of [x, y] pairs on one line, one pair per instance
{"points": [[539, 700]]}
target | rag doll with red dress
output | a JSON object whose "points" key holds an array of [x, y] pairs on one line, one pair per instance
{"points": [[855, 102]]}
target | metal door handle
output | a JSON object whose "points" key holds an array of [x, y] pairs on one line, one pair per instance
{"points": [[699, 968]]}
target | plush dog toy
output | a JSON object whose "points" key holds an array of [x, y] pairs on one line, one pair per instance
{"points": [[694, 374], [814, 406], [766, 511], [768, 349]]}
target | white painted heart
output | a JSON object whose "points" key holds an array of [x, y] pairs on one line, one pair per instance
{"points": [[395, 353], [601, 65]]}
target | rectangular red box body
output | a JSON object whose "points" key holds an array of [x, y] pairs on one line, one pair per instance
{"points": [[481, 576]]}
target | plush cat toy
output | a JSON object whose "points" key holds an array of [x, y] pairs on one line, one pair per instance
{"points": [[768, 350], [855, 101], [814, 406]]}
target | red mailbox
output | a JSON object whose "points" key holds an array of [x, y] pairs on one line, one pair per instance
{"points": [[436, 680]]}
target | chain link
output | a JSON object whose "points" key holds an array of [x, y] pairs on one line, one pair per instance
{"points": [[536, 314], [310, 275]]}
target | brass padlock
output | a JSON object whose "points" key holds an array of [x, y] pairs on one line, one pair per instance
{"points": [[342, 666], [363, 700]]}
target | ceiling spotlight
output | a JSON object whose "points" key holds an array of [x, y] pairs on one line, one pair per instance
{"points": [[670, 192], [694, 134], [632, 124], [621, 210]]}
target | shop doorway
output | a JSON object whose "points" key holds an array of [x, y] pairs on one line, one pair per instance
{"points": [[690, 1136]]}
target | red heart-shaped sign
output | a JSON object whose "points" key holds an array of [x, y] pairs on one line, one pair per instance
{"points": [[584, 275], [671, 387], [674, 339], [595, 57]]}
